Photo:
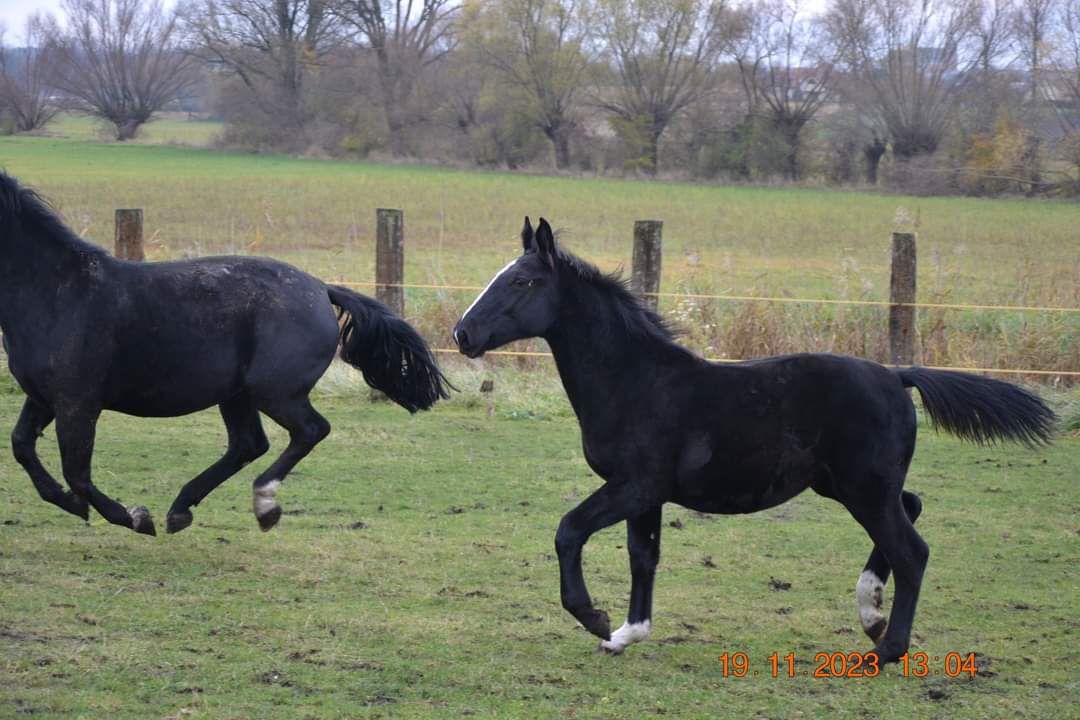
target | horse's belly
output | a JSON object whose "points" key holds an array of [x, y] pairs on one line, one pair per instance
{"points": [[712, 478], [167, 387]]}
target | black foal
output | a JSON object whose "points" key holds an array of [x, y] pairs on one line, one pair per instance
{"points": [[660, 424]]}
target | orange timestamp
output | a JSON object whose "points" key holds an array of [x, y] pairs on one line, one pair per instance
{"points": [[847, 665]]}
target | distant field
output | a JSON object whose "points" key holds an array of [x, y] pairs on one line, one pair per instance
{"points": [[168, 128], [461, 226]]}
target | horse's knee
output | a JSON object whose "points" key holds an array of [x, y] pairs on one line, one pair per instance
{"points": [[566, 538]]}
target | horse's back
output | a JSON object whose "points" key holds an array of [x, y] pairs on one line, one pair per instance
{"points": [[190, 334]]}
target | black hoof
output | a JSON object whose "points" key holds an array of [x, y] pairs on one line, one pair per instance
{"points": [[596, 622], [175, 522], [141, 522], [269, 519], [889, 652], [876, 632]]}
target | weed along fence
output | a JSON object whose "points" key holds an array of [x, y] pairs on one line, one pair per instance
{"points": [[902, 308]]}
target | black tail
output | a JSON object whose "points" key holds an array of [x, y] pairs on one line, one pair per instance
{"points": [[390, 353], [979, 409]]}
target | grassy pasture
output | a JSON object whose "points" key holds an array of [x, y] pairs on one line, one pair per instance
{"points": [[461, 227], [413, 576]]}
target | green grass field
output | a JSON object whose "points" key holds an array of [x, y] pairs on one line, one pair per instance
{"points": [[413, 574]]}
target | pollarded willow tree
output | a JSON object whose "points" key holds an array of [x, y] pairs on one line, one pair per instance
{"points": [[660, 55], [118, 60], [541, 49], [910, 60], [786, 65]]}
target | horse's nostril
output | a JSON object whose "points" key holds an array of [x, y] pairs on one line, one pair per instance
{"points": [[461, 337]]}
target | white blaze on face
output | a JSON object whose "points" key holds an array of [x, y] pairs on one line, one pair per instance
{"points": [[625, 636], [264, 496], [484, 292], [869, 592]]}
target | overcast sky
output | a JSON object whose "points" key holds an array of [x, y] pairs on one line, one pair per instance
{"points": [[13, 13]]}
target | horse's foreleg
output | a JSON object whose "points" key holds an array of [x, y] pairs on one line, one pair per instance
{"points": [[75, 435], [33, 419], [306, 429], [607, 506], [643, 545], [247, 442]]}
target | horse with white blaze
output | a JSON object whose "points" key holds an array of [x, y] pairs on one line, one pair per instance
{"points": [[85, 332], [660, 424]]}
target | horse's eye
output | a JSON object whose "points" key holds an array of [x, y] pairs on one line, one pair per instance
{"points": [[520, 282]]}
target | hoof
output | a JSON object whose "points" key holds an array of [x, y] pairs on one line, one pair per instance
{"points": [[888, 652], [596, 622], [175, 522], [607, 647], [876, 632], [270, 518], [141, 522]]}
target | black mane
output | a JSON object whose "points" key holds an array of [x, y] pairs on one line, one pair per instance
{"points": [[632, 312], [29, 209]]}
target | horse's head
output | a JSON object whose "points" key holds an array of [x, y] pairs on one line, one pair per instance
{"points": [[521, 301]]}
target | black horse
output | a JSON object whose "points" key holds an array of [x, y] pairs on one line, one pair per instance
{"points": [[660, 424], [85, 332]]}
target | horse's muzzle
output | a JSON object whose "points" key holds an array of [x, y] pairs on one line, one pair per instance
{"points": [[466, 344]]}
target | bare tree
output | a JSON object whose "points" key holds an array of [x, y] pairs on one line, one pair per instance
{"points": [[406, 37], [118, 60], [912, 58], [1032, 25], [993, 40], [661, 53], [24, 89], [540, 48], [271, 45], [786, 64], [1065, 61]]}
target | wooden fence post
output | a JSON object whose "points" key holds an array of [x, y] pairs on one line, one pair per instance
{"points": [[902, 294], [129, 235], [645, 274], [390, 259]]}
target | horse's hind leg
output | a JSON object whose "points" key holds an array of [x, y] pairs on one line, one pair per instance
{"points": [[870, 590], [306, 429], [907, 553], [643, 544], [33, 419], [75, 435], [247, 442]]}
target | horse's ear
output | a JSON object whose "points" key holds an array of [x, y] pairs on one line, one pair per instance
{"points": [[527, 236], [545, 242]]}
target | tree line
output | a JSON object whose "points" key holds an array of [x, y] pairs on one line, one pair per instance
{"points": [[979, 96]]}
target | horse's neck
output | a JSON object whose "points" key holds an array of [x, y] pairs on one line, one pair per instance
{"points": [[33, 269], [597, 357]]}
